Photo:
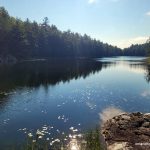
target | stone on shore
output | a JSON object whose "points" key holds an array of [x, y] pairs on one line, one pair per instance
{"points": [[127, 131]]}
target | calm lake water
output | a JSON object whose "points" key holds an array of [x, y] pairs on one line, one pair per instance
{"points": [[68, 94]]}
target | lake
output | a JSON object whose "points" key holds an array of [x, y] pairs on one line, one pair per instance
{"points": [[66, 95]]}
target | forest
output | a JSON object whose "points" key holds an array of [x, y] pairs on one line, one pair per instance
{"points": [[27, 40], [138, 50]]}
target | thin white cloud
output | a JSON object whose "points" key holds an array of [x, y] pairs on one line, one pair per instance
{"points": [[148, 13], [109, 113], [128, 42], [92, 1]]}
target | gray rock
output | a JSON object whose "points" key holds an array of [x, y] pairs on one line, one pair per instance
{"points": [[127, 128], [146, 124]]}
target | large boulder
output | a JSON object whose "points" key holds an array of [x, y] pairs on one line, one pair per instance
{"points": [[127, 131]]}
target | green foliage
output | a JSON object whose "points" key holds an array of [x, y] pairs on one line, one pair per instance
{"points": [[148, 47], [89, 141], [26, 39], [138, 50], [148, 61], [93, 140], [148, 69]]}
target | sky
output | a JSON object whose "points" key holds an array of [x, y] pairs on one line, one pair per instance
{"points": [[117, 22]]}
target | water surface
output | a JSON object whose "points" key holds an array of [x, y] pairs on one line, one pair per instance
{"points": [[68, 93]]}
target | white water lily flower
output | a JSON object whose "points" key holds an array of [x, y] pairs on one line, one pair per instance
{"points": [[52, 142], [40, 137], [24, 129], [39, 133], [70, 135], [75, 130], [79, 135], [65, 139], [47, 139], [33, 141], [56, 140], [45, 128], [71, 128], [74, 136], [30, 134]]}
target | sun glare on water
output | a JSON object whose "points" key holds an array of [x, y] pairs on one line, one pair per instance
{"points": [[74, 147]]}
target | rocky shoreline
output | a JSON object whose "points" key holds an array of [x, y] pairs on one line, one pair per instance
{"points": [[127, 131]]}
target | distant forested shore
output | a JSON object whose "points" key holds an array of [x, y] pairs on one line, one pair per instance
{"points": [[20, 40]]}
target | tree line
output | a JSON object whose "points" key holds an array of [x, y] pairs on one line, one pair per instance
{"points": [[26, 39], [138, 49]]}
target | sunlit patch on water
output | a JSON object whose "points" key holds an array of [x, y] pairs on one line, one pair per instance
{"points": [[72, 141], [6, 121], [91, 105], [63, 118], [73, 145]]}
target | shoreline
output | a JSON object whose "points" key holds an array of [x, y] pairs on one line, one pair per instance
{"points": [[127, 131]]}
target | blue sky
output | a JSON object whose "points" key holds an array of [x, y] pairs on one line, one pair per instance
{"points": [[118, 22]]}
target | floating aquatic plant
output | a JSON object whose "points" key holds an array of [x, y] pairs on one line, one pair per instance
{"points": [[42, 139]]}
